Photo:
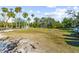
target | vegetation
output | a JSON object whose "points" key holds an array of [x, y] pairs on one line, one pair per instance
{"points": [[43, 22]]}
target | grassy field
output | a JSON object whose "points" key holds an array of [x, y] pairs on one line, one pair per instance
{"points": [[49, 40]]}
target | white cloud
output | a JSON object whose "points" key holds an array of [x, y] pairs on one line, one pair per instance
{"points": [[58, 14], [31, 11], [47, 13], [51, 6], [38, 11], [75, 8]]}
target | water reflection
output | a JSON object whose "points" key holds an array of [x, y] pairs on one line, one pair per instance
{"points": [[72, 39]]}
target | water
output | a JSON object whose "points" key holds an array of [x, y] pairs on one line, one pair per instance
{"points": [[2, 45], [73, 43]]}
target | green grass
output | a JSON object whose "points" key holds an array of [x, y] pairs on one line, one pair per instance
{"points": [[69, 31]]}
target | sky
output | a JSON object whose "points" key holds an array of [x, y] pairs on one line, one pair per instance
{"points": [[57, 12]]}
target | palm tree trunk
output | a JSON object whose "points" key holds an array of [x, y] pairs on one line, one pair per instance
{"points": [[4, 24], [19, 24], [7, 22], [12, 25], [16, 24]]}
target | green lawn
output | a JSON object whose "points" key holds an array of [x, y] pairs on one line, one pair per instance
{"points": [[50, 40]]}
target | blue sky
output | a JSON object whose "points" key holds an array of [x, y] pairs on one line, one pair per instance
{"points": [[57, 12]]}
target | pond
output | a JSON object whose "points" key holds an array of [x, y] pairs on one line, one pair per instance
{"points": [[6, 46], [2, 46], [73, 43]]}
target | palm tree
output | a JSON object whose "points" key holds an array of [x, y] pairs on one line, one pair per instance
{"points": [[28, 20], [32, 15], [11, 15], [3, 15], [5, 10], [25, 15], [18, 10], [36, 20], [11, 10]]}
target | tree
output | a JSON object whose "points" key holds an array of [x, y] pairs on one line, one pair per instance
{"points": [[25, 15], [4, 10], [67, 22], [11, 14], [17, 10], [47, 22], [28, 20], [19, 21], [50, 22], [32, 15], [57, 25], [3, 21], [36, 19], [36, 22], [44, 22], [8, 13]]}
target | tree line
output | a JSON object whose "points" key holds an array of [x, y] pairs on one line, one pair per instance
{"points": [[43, 22]]}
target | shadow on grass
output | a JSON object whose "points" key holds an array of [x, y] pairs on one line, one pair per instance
{"points": [[72, 39]]}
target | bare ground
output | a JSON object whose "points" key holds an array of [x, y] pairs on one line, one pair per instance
{"points": [[48, 40]]}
